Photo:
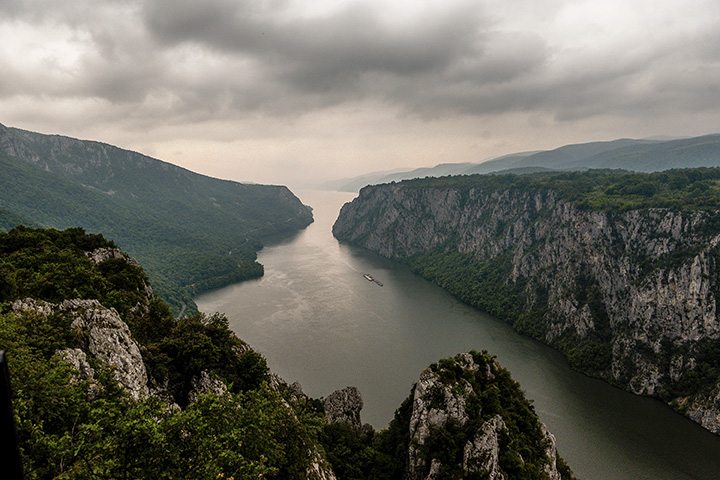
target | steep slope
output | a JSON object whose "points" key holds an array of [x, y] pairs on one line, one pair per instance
{"points": [[465, 418], [106, 381], [618, 271], [191, 231]]}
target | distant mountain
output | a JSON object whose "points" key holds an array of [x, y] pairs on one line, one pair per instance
{"points": [[652, 157], [353, 184], [643, 155], [192, 232], [499, 164]]}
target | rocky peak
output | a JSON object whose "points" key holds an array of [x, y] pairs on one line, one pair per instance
{"points": [[450, 398], [104, 335], [344, 406]]}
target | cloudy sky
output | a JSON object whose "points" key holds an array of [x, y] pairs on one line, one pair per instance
{"points": [[298, 91]]}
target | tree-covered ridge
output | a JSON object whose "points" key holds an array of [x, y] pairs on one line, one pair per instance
{"points": [[74, 427], [617, 270], [602, 190], [191, 232], [522, 447], [73, 424]]}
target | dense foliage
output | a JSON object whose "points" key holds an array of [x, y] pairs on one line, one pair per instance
{"points": [[489, 284], [91, 429], [606, 190], [357, 455], [192, 233]]}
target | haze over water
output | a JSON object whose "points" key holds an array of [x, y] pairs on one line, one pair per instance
{"points": [[318, 321]]}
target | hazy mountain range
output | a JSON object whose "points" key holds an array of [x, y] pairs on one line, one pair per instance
{"points": [[191, 232], [644, 155]]}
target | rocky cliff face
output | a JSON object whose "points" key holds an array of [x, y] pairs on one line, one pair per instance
{"points": [[344, 406], [464, 404], [105, 336], [630, 297]]}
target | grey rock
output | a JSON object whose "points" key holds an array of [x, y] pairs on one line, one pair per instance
{"points": [[482, 455], [77, 359], [204, 383], [344, 406], [319, 468], [105, 335], [650, 302], [551, 453]]}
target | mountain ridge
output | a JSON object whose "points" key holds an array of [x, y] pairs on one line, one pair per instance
{"points": [[192, 232], [618, 271], [641, 155]]}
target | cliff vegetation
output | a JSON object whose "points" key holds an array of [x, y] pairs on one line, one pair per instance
{"points": [[191, 232], [107, 383], [618, 270]]}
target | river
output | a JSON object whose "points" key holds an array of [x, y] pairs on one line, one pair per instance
{"points": [[319, 322]]}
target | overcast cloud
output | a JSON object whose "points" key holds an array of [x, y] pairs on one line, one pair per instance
{"points": [[280, 91]]}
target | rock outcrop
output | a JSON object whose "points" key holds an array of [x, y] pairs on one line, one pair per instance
{"points": [[629, 296], [344, 406], [205, 383], [105, 336], [451, 401]]}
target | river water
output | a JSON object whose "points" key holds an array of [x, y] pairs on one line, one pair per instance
{"points": [[318, 321]]}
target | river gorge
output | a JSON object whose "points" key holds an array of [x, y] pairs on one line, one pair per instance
{"points": [[318, 321]]}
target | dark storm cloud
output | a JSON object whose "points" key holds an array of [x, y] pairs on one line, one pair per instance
{"points": [[451, 60], [228, 58], [349, 54]]}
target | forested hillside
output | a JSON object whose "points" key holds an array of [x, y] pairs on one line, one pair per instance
{"points": [[620, 271], [107, 383], [623, 154], [191, 232]]}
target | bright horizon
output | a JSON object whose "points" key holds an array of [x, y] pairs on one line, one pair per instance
{"points": [[280, 92]]}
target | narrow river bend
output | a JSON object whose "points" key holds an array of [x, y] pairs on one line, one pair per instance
{"points": [[318, 321]]}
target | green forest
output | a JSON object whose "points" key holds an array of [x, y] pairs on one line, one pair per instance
{"points": [[192, 233], [74, 429], [602, 190]]}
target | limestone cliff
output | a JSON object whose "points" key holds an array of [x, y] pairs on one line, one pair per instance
{"points": [[629, 295], [470, 420], [344, 406]]}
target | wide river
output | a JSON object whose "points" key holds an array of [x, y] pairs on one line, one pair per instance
{"points": [[319, 322]]}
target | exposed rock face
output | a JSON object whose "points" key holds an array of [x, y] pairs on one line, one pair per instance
{"points": [[78, 361], [206, 384], [447, 397], [483, 453], [344, 406], [319, 468], [102, 254], [634, 293], [106, 337]]}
